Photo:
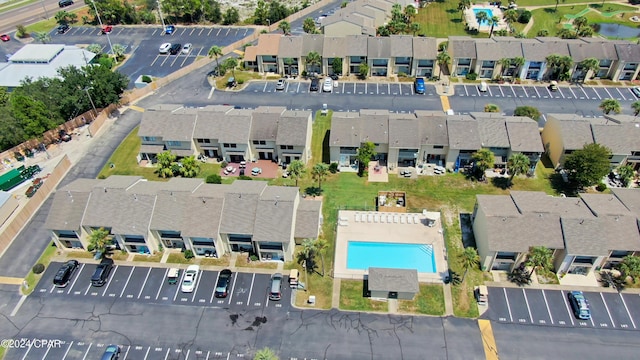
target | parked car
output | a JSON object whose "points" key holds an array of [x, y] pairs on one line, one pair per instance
{"points": [[636, 91], [553, 86], [175, 49], [418, 85], [328, 85], [107, 29], [256, 171], [275, 289], [187, 48], [190, 279], [580, 305], [63, 28], [482, 295], [315, 85], [483, 87], [5, 37], [112, 352], [169, 29], [164, 48], [64, 273], [281, 84], [222, 286], [101, 274], [231, 82], [63, 3]]}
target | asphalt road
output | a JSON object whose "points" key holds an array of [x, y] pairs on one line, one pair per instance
{"points": [[32, 13]]}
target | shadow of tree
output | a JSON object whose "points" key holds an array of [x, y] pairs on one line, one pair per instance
{"points": [[501, 182], [313, 191], [326, 154], [466, 226]]}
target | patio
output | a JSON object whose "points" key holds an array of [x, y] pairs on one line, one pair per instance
{"points": [[378, 172], [270, 170]]}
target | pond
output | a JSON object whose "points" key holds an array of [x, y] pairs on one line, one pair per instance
{"points": [[617, 30]]}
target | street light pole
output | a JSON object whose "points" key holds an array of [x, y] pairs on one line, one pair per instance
{"points": [[102, 27], [95, 112], [46, 14], [161, 18]]}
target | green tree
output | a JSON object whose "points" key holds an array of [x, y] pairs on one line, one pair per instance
{"points": [[319, 172], [308, 249], [469, 259], [261, 14], [99, 239], [587, 166], [443, 59], [296, 170], [589, 64], [505, 64], [33, 115], [539, 257], [363, 71], [586, 31], [511, 16], [410, 13], [462, 6], [482, 17], [414, 27], [231, 63], [580, 21], [383, 31], [265, 354], [309, 26], [94, 48], [313, 60], [528, 111], [365, 153], [493, 21], [231, 16], [483, 160], [215, 52], [636, 108], [517, 164], [321, 248], [285, 27], [62, 17], [165, 163], [609, 105], [626, 173], [190, 167], [566, 33], [543, 33], [119, 51], [42, 36], [493, 108], [336, 66], [630, 267]]}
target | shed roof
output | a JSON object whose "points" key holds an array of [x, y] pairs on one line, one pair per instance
{"points": [[396, 280], [425, 48], [308, 219], [464, 134], [524, 135]]}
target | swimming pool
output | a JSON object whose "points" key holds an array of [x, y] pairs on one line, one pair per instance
{"points": [[488, 11], [361, 255]]}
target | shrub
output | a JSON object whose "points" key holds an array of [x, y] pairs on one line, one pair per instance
{"points": [[188, 254], [253, 258], [493, 108], [524, 17], [601, 187], [213, 179], [38, 268], [146, 79], [21, 31], [333, 167], [443, 46], [471, 76], [240, 81], [223, 164], [245, 177], [528, 111]]}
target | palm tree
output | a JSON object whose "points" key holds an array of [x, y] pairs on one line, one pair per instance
{"points": [[469, 259], [517, 63], [321, 248], [493, 21], [586, 31], [95, 48], [636, 108], [189, 167], [630, 266], [511, 16], [626, 173], [231, 63], [118, 51], [309, 26], [415, 28], [62, 17], [482, 16], [517, 164], [589, 64], [565, 63], [285, 27], [462, 6], [491, 108], [312, 60], [410, 13], [319, 172], [165, 162], [483, 160], [265, 354], [580, 21], [505, 63], [99, 240], [443, 59], [308, 248], [565, 33], [215, 51], [42, 36], [539, 257], [552, 61], [296, 170], [543, 33], [609, 105]]}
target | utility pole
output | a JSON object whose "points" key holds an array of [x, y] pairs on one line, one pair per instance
{"points": [[102, 27], [161, 18], [46, 14]]}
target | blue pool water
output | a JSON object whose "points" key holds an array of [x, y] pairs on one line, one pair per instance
{"points": [[488, 11], [362, 255]]}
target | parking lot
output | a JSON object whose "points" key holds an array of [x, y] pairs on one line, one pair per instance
{"points": [[142, 44], [360, 88], [542, 92], [149, 285], [551, 308]]}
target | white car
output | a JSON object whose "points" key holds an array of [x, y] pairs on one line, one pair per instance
{"points": [[190, 279], [164, 48], [328, 85], [187, 48]]}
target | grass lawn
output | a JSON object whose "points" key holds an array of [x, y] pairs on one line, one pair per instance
{"points": [[352, 298], [32, 279], [429, 301], [443, 19], [178, 258], [242, 77], [124, 159], [149, 258], [242, 262], [79, 254], [223, 261], [320, 138], [552, 3]]}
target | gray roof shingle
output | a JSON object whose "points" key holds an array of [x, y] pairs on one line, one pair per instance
{"points": [[539, 202], [404, 132], [541, 230], [462, 47], [487, 49], [510, 47], [308, 219], [378, 47], [433, 129], [425, 48], [401, 45], [236, 128], [398, 280], [356, 45], [67, 210], [575, 133], [293, 127], [175, 125], [497, 205], [604, 204], [620, 139], [276, 203], [628, 52], [334, 47], [534, 50], [312, 42], [290, 47], [464, 134], [597, 237], [524, 135], [345, 128], [493, 132]]}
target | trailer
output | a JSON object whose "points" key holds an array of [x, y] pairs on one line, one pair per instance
{"points": [[12, 178]]}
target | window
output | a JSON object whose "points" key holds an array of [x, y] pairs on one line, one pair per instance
{"points": [[259, 142], [203, 141], [148, 138], [464, 62], [227, 145], [438, 146], [286, 147], [174, 143]]}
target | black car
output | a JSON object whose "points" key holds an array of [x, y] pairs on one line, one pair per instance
{"points": [[222, 287], [101, 274], [63, 28], [63, 3], [175, 49], [64, 273], [315, 85]]}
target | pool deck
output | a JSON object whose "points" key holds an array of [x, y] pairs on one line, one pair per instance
{"points": [[375, 226]]}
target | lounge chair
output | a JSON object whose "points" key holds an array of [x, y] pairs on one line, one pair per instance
{"points": [[402, 219], [357, 217], [369, 218]]}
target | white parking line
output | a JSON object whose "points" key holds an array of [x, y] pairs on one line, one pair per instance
{"points": [[87, 352], [526, 301], [513, 91], [584, 92], [166, 57], [88, 287], [524, 90], [607, 307], [624, 98], [53, 287], [561, 93], [489, 88], [67, 352], [195, 291], [354, 88], [465, 90], [264, 89], [177, 56], [147, 353], [47, 352], [167, 355], [228, 29], [343, 88], [607, 90], [77, 272], [187, 356], [186, 57], [126, 354], [127, 283], [251, 288], [218, 33], [544, 296], [501, 92], [209, 33], [144, 283], [233, 286], [598, 95], [627, 309], [400, 88], [574, 94], [566, 305], [506, 298], [535, 88], [175, 296], [214, 288], [365, 87], [477, 90], [549, 91], [109, 280], [298, 89], [162, 283]]}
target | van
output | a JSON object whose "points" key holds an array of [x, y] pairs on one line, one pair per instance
{"points": [[483, 87], [293, 278], [275, 290], [101, 274], [482, 295]]}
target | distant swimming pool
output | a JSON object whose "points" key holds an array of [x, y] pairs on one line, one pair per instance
{"points": [[361, 255], [488, 11]]}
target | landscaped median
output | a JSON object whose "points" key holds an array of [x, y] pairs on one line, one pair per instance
{"points": [[32, 278]]}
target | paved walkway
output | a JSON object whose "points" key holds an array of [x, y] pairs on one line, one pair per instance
{"points": [[448, 300], [335, 294]]}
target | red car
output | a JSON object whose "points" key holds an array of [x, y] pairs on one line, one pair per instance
{"points": [[107, 29], [5, 37]]}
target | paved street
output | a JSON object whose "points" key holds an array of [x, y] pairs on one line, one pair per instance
{"points": [[542, 92]]}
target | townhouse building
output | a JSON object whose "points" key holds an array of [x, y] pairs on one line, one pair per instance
{"points": [[187, 214], [227, 134]]}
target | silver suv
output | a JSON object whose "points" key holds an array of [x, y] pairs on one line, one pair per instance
{"points": [[275, 290]]}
